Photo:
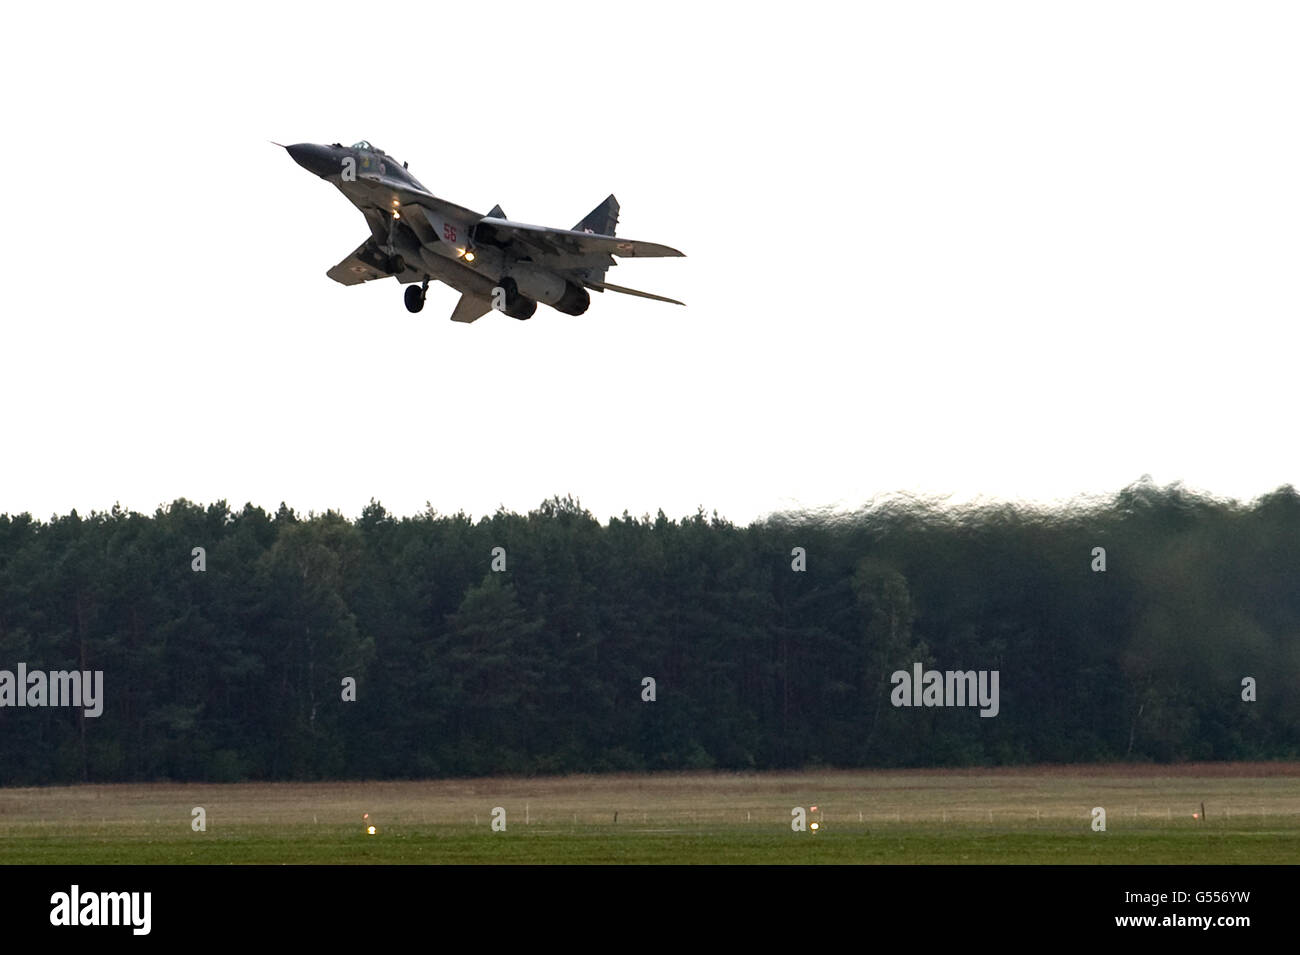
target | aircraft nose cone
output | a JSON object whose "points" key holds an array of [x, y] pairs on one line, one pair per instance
{"points": [[316, 159]]}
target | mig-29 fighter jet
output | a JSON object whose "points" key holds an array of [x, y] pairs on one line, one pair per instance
{"points": [[492, 261]]}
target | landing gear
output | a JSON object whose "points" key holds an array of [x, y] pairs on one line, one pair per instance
{"points": [[415, 297]]}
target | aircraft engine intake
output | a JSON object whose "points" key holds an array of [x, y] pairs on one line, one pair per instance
{"points": [[548, 287], [516, 305], [574, 301]]}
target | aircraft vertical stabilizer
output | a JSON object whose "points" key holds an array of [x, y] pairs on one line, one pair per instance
{"points": [[602, 220]]}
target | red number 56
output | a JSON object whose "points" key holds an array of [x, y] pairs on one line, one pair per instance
{"points": [[449, 232]]}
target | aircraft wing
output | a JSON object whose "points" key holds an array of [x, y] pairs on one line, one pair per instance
{"points": [[363, 265], [556, 245], [607, 286]]}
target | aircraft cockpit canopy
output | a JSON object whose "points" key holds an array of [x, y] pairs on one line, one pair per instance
{"points": [[366, 147]]}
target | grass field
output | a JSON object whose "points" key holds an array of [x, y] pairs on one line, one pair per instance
{"points": [[1020, 815]]}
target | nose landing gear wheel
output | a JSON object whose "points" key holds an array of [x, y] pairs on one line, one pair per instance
{"points": [[414, 298]]}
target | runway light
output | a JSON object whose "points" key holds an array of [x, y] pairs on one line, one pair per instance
{"points": [[815, 827], [371, 830]]}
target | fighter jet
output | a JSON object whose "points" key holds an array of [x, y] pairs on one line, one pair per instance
{"points": [[415, 237]]}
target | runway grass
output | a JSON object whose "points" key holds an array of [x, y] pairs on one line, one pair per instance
{"points": [[1039, 815]]}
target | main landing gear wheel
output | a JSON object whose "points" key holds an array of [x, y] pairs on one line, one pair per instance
{"points": [[414, 298]]}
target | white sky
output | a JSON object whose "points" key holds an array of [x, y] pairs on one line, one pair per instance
{"points": [[1016, 250]]}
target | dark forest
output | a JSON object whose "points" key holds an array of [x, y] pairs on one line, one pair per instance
{"points": [[237, 671]]}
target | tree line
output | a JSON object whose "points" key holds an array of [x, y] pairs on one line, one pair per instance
{"points": [[769, 646]]}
